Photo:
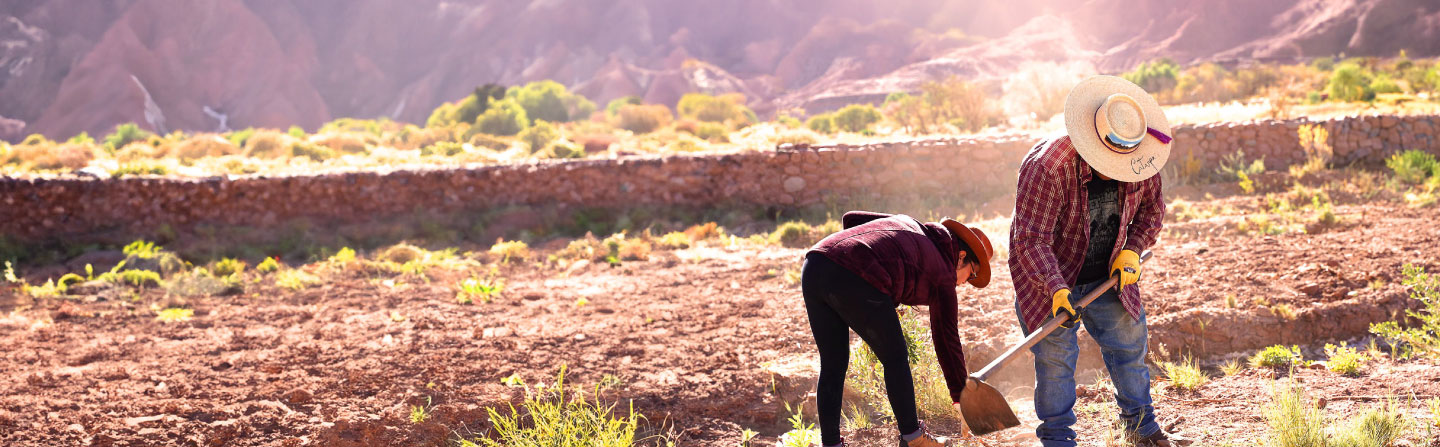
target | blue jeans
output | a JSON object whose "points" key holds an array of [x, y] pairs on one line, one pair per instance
{"points": [[1122, 341]]}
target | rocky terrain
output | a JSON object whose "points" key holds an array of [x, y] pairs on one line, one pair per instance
{"points": [[81, 65]]}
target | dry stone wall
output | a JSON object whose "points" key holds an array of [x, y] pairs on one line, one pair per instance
{"points": [[36, 209]]}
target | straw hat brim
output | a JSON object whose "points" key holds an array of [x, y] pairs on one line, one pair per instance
{"points": [[1080, 106], [975, 242]]}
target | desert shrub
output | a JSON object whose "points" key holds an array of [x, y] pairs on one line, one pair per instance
{"points": [[371, 127], [1372, 428], [1412, 166], [443, 149], [269, 265], [855, 117], [539, 135], [789, 121], [1344, 360], [510, 251], [468, 108], [1350, 82], [135, 277], [1422, 337], [202, 146], [1383, 84], [1295, 420], [1276, 357], [63, 156], [550, 101], [1235, 165], [1315, 140], [268, 144], [310, 150], [228, 266], [139, 168], [794, 234], [632, 249], [712, 132], [401, 253], [1155, 76], [727, 108], [342, 142], [81, 138], [125, 134], [555, 416], [1185, 374], [474, 288], [953, 101], [489, 141], [823, 123], [201, 282], [443, 115], [296, 132], [295, 279], [565, 149], [674, 240], [505, 117], [240, 137], [614, 106], [642, 118], [704, 231], [36, 139]]}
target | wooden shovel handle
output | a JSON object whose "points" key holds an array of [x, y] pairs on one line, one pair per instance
{"points": [[1049, 326]]}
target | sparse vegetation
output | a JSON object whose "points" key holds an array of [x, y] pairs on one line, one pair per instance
{"points": [[1294, 419], [295, 279], [1344, 360], [509, 251], [1185, 374], [483, 290], [174, 315], [555, 415], [1423, 336]]}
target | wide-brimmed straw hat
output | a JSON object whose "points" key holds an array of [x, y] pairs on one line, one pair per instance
{"points": [[975, 242], [1117, 128]]}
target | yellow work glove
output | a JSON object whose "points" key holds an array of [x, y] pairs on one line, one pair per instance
{"points": [[1060, 302], [1127, 265]]}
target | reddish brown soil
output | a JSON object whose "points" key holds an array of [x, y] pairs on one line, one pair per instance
{"points": [[690, 333]]}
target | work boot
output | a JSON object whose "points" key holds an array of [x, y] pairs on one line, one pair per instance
{"points": [[925, 439]]}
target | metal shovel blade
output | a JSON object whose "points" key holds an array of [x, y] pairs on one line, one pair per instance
{"points": [[985, 409]]}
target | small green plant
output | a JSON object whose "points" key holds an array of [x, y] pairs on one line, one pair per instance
{"points": [[1185, 375], [344, 256], [857, 418], [555, 416], [1276, 357], [609, 382], [794, 234], [420, 413], [513, 380], [1294, 419], [1233, 165], [747, 435], [1423, 337], [1245, 183], [1232, 367], [142, 249], [138, 278], [510, 251], [1284, 311], [484, 290], [294, 279], [269, 265], [800, 434], [1344, 360], [125, 134], [228, 266], [174, 315]]}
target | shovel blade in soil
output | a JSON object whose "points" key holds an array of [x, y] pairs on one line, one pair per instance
{"points": [[985, 409]]}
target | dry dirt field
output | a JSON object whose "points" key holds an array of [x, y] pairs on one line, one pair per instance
{"points": [[706, 341]]}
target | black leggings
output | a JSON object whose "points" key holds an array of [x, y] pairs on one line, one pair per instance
{"points": [[836, 300]]}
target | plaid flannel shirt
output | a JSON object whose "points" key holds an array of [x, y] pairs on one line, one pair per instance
{"points": [[1051, 227]]}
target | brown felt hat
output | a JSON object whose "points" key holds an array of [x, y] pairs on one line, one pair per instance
{"points": [[976, 242]]}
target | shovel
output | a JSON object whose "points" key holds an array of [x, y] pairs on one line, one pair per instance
{"points": [[984, 408]]}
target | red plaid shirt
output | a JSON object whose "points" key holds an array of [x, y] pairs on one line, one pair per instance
{"points": [[1051, 227]]}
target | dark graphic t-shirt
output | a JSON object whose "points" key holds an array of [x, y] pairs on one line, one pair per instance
{"points": [[1104, 229]]}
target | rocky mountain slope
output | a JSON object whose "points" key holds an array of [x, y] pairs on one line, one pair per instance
{"points": [[85, 65]]}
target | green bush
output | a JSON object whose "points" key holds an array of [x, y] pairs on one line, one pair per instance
{"points": [[269, 265], [642, 118], [1350, 82], [1383, 84], [1235, 167], [554, 416], [1412, 166], [125, 134], [715, 109], [613, 108], [312, 151], [139, 168], [443, 149], [1344, 360], [794, 234], [505, 118], [823, 124], [539, 135], [856, 117], [1424, 335], [565, 149], [713, 132], [1155, 76], [81, 138], [477, 103], [228, 266], [295, 131], [1276, 357], [550, 101]]}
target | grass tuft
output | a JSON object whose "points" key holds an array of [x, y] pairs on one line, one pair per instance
{"points": [[1276, 357], [556, 416], [174, 315], [1185, 375]]}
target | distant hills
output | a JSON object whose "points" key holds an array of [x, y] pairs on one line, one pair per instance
{"points": [[68, 66]]}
